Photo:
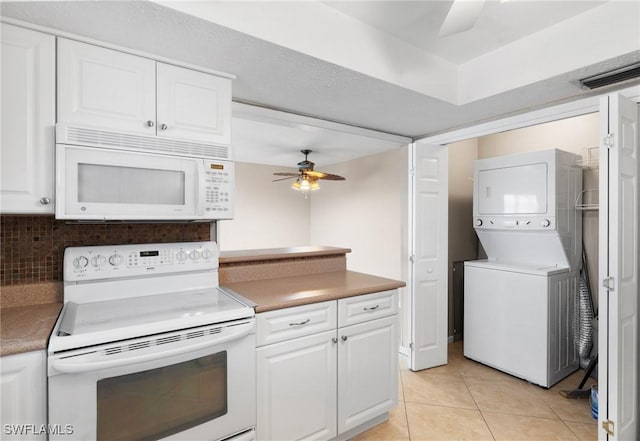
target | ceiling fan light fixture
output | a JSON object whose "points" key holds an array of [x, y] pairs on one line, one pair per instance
{"points": [[305, 184], [307, 179]]}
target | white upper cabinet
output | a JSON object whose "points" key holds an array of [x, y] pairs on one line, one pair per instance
{"points": [[193, 105], [28, 119], [105, 88], [112, 90]]}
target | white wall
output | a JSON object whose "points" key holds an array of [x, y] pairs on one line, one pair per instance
{"points": [[267, 214], [366, 213], [571, 134]]}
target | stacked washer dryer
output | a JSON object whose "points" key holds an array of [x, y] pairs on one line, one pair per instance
{"points": [[519, 302]]}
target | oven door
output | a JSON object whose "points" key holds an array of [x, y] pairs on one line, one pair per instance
{"points": [[196, 384], [102, 184]]}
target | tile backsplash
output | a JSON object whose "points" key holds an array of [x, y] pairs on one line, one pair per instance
{"points": [[33, 246]]}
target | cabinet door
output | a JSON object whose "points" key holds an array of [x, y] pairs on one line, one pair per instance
{"points": [[297, 389], [367, 371], [28, 118], [23, 392], [105, 88], [193, 105]]}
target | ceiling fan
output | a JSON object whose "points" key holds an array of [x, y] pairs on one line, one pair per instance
{"points": [[307, 178], [461, 17]]}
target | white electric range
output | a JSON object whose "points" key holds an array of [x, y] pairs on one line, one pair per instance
{"points": [[148, 346]]}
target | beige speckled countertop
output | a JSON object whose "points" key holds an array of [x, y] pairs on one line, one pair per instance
{"points": [[27, 328], [279, 253], [285, 292]]}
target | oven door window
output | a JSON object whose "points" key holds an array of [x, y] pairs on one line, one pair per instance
{"points": [[159, 402]]}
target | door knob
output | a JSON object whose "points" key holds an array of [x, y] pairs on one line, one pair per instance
{"points": [[45, 201], [344, 338], [150, 123], [163, 127], [334, 339]]}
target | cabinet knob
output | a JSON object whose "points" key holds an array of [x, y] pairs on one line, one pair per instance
{"points": [[150, 123], [45, 201], [334, 339], [163, 127], [344, 338]]}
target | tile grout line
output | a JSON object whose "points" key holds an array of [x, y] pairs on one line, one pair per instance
{"points": [[480, 411], [404, 404], [571, 430]]}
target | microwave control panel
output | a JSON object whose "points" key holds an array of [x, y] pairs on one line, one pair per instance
{"points": [[219, 183]]}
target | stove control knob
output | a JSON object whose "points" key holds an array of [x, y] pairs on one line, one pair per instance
{"points": [[98, 260], [115, 260], [181, 256], [194, 255], [206, 253], [545, 223], [80, 262], [479, 222]]}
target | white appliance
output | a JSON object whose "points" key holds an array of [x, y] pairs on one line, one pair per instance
{"points": [[149, 347], [518, 303], [104, 175]]}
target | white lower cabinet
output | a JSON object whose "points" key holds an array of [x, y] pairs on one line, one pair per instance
{"points": [[367, 371], [329, 384], [23, 390], [297, 389]]}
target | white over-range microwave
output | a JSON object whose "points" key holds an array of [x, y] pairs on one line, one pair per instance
{"points": [[103, 175]]}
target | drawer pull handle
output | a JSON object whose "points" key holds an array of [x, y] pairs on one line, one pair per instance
{"points": [[371, 308], [300, 323]]}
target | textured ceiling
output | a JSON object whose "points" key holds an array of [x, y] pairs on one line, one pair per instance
{"points": [[274, 76]]}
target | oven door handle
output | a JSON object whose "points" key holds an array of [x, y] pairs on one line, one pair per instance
{"points": [[76, 364]]}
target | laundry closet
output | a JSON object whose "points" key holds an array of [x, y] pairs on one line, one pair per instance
{"points": [[579, 137]]}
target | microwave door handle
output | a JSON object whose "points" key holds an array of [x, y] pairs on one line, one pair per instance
{"points": [[200, 190], [72, 366]]}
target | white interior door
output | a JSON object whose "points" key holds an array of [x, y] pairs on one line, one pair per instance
{"points": [[429, 241], [618, 341]]}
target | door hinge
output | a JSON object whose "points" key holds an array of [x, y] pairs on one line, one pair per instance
{"points": [[608, 140], [608, 427], [609, 283], [411, 346], [412, 258]]}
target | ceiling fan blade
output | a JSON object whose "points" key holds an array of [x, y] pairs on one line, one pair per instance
{"points": [[461, 17], [293, 175], [284, 179], [328, 176]]}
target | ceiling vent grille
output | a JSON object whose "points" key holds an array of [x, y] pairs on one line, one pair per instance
{"points": [[615, 76]]}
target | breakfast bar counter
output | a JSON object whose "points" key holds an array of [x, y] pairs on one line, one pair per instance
{"points": [[279, 278]]}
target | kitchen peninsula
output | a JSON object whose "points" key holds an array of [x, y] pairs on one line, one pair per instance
{"points": [[327, 341]]}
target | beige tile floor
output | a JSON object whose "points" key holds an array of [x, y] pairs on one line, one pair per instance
{"points": [[465, 400]]}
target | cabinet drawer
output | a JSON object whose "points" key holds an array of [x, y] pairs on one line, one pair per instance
{"points": [[359, 309], [285, 324]]}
